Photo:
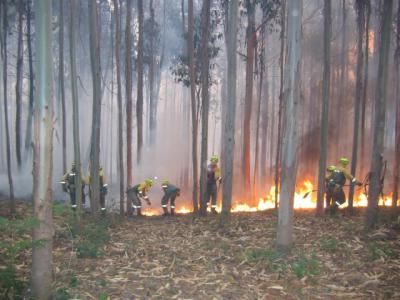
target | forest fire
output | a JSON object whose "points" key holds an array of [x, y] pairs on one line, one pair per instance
{"points": [[304, 198]]}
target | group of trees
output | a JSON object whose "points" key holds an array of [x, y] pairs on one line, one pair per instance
{"points": [[142, 55]]}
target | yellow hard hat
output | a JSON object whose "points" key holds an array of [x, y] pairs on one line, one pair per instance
{"points": [[344, 161], [331, 168], [214, 159], [149, 182]]}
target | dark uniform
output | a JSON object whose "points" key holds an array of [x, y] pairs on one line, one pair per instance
{"points": [[69, 182], [213, 176], [136, 194], [170, 194]]}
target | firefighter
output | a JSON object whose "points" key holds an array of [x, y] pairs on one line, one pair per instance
{"points": [[170, 194], [68, 182], [213, 176], [103, 189], [335, 181], [138, 193]]}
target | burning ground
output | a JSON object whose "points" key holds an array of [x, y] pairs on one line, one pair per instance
{"points": [[197, 258]]}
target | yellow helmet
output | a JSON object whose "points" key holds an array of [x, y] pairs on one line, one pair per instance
{"points": [[344, 161], [214, 159], [149, 182], [164, 183], [331, 168]]}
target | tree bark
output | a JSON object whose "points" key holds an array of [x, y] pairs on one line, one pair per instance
{"points": [[5, 72], [18, 85], [205, 101], [28, 137], [229, 128], [153, 116], [139, 103], [128, 96], [62, 88], [379, 118], [96, 108], [119, 99], [289, 136], [325, 106], [280, 109], [193, 104], [360, 9], [396, 165], [42, 257], [75, 106], [250, 40]]}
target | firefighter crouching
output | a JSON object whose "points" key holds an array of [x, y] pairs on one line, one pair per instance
{"points": [[170, 194], [138, 193]]}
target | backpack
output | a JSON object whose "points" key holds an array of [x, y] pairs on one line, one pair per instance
{"points": [[211, 174], [71, 180]]}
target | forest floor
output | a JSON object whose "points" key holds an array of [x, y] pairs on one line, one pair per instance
{"points": [[184, 257]]}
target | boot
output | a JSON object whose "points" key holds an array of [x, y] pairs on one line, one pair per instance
{"points": [[172, 211], [139, 212], [213, 211], [165, 211]]}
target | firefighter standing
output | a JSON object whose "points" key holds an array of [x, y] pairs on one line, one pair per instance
{"points": [[69, 183], [138, 193], [103, 189], [213, 176], [170, 194]]}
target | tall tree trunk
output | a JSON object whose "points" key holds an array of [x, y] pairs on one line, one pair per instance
{"points": [[250, 40], [75, 105], [360, 9], [193, 104], [205, 101], [325, 106], [139, 103], [18, 84], [343, 80], [96, 108], [128, 96], [153, 117], [289, 136], [379, 118], [42, 257], [259, 96], [279, 135], [365, 88], [119, 99], [28, 137], [264, 119], [229, 128], [396, 165], [5, 72], [62, 89]]}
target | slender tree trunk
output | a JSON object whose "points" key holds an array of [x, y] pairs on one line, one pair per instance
{"points": [[379, 118], [279, 138], [28, 137], [359, 80], [62, 89], [119, 99], [264, 119], [96, 108], [153, 117], [343, 79], [128, 96], [396, 165], [229, 128], [259, 96], [205, 101], [325, 106], [5, 73], [289, 136], [42, 257], [75, 105], [250, 40], [365, 89], [18, 85], [139, 103], [193, 105]]}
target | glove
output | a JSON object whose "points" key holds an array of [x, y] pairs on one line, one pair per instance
{"points": [[147, 200]]}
